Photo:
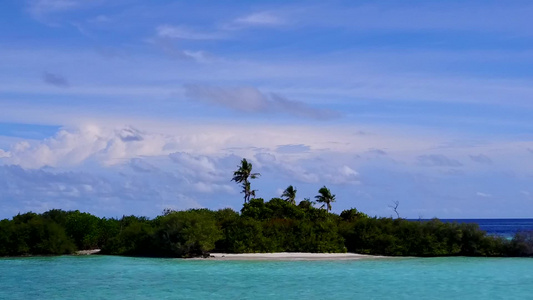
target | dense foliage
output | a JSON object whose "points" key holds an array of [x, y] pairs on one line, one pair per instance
{"points": [[273, 226]]}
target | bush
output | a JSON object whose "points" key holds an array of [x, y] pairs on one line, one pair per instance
{"points": [[187, 233], [272, 226], [522, 244], [31, 234]]}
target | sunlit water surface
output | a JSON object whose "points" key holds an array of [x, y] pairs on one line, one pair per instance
{"points": [[108, 277]]}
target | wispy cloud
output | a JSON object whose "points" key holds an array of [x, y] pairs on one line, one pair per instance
{"points": [[39, 8], [264, 18], [483, 195], [169, 48], [438, 160], [251, 100], [54, 12], [55, 79], [179, 32], [377, 151], [293, 148], [100, 19], [480, 158]]}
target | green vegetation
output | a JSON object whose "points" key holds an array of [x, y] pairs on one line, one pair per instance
{"points": [[273, 226], [278, 225]]}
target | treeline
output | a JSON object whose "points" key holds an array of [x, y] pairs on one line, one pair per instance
{"points": [[273, 226]]}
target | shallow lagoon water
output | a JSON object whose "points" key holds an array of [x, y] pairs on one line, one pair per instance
{"points": [[109, 277]]}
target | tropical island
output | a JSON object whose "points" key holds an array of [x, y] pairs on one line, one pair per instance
{"points": [[277, 225]]}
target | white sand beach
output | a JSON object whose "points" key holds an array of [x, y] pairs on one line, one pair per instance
{"points": [[88, 252], [291, 256]]}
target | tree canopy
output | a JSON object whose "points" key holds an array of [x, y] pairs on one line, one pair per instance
{"points": [[261, 226]]}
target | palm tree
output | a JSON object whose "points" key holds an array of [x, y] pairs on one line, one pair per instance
{"points": [[242, 175], [290, 194], [325, 196], [247, 190]]}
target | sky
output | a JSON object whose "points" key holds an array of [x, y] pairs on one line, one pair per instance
{"points": [[130, 107]]}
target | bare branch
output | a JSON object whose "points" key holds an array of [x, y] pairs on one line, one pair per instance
{"points": [[395, 208]]}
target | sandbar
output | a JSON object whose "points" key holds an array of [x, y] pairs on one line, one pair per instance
{"points": [[290, 256], [88, 252]]}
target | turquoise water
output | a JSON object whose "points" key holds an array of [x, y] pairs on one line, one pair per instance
{"points": [[108, 277]]}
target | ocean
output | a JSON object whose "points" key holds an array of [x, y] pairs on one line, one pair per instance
{"points": [[112, 277], [499, 227]]}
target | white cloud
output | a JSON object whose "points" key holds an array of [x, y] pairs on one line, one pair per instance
{"points": [[141, 165], [341, 175], [299, 173], [199, 56], [176, 32], [70, 147], [483, 195], [149, 171], [260, 19], [308, 168], [104, 194], [4, 154], [197, 166], [348, 172], [114, 144]]}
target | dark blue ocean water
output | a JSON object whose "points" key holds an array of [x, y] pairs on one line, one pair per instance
{"points": [[499, 227]]}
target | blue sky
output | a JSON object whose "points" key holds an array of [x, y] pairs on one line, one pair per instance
{"points": [[129, 107]]}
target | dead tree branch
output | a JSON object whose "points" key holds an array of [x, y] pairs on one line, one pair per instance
{"points": [[395, 208]]}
